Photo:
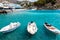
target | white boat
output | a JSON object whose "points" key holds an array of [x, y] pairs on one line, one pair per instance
{"points": [[32, 28], [52, 28], [33, 9], [10, 27]]}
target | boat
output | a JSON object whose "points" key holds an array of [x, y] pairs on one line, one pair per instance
{"points": [[52, 28], [33, 9], [10, 27], [32, 28]]}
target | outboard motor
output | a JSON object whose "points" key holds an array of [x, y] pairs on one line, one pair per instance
{"points": [[31, 21], [46, 23]]}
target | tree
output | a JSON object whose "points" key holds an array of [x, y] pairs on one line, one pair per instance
{"points": [[40, 3], [51, 1]]}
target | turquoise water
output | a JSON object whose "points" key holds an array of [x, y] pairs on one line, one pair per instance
{"points": [[39, 16]]}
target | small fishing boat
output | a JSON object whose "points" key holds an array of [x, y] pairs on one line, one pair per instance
{"points": [[32, 28], [52, 28], [10, 27]]}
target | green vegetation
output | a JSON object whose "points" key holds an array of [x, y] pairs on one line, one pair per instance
{"points": [[40, 3], [53, 2]]}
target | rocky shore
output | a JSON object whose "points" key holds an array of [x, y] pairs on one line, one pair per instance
{"points": [[2, 11]]}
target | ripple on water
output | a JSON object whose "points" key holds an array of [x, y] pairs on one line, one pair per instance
{"points": [[26, 16]]}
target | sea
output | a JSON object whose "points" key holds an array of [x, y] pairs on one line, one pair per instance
{"points": [[38, 16]]}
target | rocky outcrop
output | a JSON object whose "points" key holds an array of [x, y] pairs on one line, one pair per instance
{"points": [[2, 11]]}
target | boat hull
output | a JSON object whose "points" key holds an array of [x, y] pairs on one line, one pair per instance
{"points": [[3, 30], [32, 29], [53, 31]]}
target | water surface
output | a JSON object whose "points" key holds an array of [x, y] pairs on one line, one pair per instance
{"points": [[39, 16]]}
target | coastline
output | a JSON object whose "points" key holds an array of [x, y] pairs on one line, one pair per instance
{"points": [[14, 10]]}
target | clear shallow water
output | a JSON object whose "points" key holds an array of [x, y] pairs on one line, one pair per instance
{"points": [[39, 16]]}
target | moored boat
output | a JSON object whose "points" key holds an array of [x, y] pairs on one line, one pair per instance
{"points": [[52, 28], [32, 28], [10, 27]]}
